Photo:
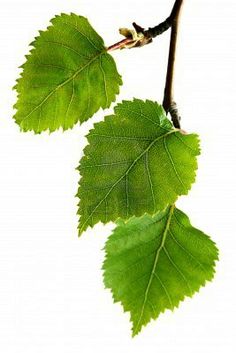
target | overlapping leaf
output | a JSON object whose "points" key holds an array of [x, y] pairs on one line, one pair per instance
{"points": [[67, 77], [135, 162], [152, 263]]}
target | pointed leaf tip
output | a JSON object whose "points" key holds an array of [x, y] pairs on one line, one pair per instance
{"points": [[153, 263], [135, 162], [68, 77]]}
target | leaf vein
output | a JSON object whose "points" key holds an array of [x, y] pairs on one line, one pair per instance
{"points": [[172, 163], [122, 176], [61, 85], [177, 269], [165, 232]]}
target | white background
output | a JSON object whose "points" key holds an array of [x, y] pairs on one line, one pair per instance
{"points": [[52, 297]]}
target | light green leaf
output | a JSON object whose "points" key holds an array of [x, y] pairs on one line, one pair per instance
{"points": [[135, 162], [152, 263], [67, 77]]}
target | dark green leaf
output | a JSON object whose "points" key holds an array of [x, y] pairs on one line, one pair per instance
{"points": [[135, 162]]}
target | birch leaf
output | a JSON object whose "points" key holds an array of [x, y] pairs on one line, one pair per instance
{"points": [[153, 263], [135, 162], [67, 77]]}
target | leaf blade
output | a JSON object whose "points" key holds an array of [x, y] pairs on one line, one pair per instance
{"points": [[67, 77], [135, 162], [153, 263]]}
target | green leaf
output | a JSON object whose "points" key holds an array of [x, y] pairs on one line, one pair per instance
{"points": [[135, 162], [67, 77], [152, 263]]}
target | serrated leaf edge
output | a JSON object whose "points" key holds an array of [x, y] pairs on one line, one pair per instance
{"points": [[31, 51], [173, 130], [137, 330]]}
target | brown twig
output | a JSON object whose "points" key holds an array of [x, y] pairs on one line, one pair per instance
{"points": [[168, 101], [139, 37], [165, 25]]}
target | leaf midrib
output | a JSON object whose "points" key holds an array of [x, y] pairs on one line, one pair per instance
{"points": [[163, 239], [124, 175]]}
